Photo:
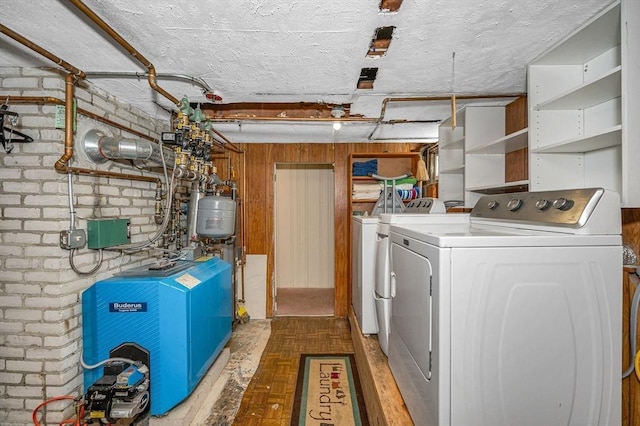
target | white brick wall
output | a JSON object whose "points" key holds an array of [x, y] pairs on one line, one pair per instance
{"points": [[40, 324]]}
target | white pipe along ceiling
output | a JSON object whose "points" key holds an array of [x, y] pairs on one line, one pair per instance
{"points": [[381, 66]]}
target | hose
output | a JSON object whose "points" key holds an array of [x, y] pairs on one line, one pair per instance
{"points": [[75, 421], [637, 365]]}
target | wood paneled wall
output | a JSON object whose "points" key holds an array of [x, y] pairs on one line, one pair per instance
{"points": [[516, 162], [630, 385], [254, 171]]}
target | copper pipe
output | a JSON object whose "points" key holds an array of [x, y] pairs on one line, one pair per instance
{"points": [[300, 119], [44, 100], [113, 34], [227, 142], [17, 37], [100, 173], [151, 71], [35, 100], [62, 165]]}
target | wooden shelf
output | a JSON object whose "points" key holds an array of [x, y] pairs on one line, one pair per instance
{"points": [[390, 164]]}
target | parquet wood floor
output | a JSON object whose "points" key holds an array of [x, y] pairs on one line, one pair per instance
{"points": [[268, 400]]}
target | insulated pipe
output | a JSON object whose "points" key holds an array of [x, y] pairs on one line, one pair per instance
{"points": [[444, 98], [385, 101], [113, 34], [195, 80]]}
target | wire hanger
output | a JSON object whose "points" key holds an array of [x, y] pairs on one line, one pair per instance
{"points": [[12, 117]]}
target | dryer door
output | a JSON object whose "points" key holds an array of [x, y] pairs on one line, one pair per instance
{"points": [[411, 311], [415, 342]]}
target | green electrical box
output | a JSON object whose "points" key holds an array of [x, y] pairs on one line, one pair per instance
{"points": [[108, 232]]}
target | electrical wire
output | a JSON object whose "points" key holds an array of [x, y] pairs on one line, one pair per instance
{"points": [[72, 253], [94, 366], [132, 248]]}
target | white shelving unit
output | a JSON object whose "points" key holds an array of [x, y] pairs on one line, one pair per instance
{"points": [[451, 143], [584, 107], [472, 156]]}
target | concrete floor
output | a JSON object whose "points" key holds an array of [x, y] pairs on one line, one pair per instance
{"points": [[216, 399], [246, 346]]}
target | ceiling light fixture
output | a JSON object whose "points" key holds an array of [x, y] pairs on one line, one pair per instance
{"points": [[337, 111], [337, 125]]}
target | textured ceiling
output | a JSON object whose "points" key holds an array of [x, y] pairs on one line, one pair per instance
{"points": [[301, 51]]}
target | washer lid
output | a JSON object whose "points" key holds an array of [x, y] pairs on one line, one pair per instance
{"points": [[419, 218], [497, 236]]}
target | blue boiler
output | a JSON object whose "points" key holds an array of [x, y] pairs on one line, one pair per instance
{"points": [[181, 315]]}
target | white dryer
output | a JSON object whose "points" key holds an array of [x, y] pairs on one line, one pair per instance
{"points": [[426, 211], [514, 318]]}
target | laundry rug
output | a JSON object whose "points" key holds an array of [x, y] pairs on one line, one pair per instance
{"points": [[328, 392]]}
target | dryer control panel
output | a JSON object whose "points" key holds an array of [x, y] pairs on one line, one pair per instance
{"points": [[595, 210]]}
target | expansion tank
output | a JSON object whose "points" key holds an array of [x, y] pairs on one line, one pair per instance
{"points": [[182, 315]]}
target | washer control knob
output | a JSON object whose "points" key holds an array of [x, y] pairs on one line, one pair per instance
{"points": [[562, 204], [514, 204], [543, 204], [493, 204]]}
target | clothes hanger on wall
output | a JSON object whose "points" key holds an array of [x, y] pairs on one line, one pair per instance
{"points": [[14, 135]]}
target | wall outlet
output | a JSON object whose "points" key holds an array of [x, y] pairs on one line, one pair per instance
{"points": [[73, 239]]}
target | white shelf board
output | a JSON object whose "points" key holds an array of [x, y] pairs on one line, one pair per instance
{"points": [[452, 171], [501, 188], [459, 144], [591, 40], [511, 142], [608, 137], [602, 89]]}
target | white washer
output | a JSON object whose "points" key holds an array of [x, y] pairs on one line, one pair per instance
{"points": [[436, 214], [363, 267], [514, 318], [363, 247]]}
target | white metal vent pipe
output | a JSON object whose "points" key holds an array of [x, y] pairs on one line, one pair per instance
{"points": [[101, 148]]}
